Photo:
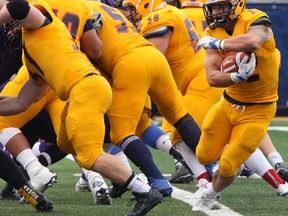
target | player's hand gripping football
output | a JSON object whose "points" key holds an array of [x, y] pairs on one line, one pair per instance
{"points": [[246, 69], [208, 42], [97, 21]]}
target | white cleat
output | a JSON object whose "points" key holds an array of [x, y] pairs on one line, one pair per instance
{"points": [[99, 189], [205, 201], [201, 184], [43, 179], [282, 190]]}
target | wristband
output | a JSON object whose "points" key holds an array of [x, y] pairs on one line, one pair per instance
{"points": [[221, 45], [234, 77]]}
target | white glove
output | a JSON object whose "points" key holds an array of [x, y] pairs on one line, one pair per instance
{"points": [[245, 69], [210, 43], [97, 21]]}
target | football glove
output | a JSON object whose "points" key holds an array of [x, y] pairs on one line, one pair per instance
{"points": [[208, 42], [245, 69], [97, 21]]}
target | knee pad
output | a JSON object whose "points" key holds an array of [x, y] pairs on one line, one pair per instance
{"points": [[7, 134], [18, 9], [226, 167]]}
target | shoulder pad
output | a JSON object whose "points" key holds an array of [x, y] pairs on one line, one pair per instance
{"points": [[157, 32], [262, 20]]}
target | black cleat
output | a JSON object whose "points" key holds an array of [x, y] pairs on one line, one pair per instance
{"points": [[178, 157], [145, 202], [8, 192], [182, 175], [282, 170], [116, 191], [35, 198]]}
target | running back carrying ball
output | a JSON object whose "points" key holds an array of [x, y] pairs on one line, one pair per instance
{"points": [[231, 63], [239, 65]]}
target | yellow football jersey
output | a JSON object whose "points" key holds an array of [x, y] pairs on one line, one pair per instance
{"points": [[262, 86], [185, 65], [43, 54], [196, 16], [73, 14], [117, 34]]}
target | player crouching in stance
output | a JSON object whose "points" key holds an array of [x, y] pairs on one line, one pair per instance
{"points": [[87, 94]]}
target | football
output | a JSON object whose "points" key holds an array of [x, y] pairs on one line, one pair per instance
{"points": [[231, 62]]}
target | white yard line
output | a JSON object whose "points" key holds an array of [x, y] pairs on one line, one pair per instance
{"points": [[187, 197], [278, 128]]}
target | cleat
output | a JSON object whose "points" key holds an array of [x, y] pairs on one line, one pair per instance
{"points": [[182, 175], [162, 185], [175, 154], [116, 191], [43, 179], [201, 184], [178, 157], [282, 190], [82, 187], [9, 193], [246, 172], [35, 198], [145, 202], [99, 189], [282, 170], [205, 202]]}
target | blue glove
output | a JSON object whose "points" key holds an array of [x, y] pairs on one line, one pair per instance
{"points": [[208, 42]]}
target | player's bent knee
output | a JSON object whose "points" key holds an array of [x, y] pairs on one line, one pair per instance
{"points": [[86, 161], [205, 157], [227, 168]]}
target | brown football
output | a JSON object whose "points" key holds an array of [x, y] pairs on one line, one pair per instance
{"points": [[231, 62]]}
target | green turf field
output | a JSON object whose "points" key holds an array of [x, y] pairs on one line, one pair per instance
{"points": [[246, 196]]}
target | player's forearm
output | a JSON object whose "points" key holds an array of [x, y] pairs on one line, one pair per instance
{"points": [[243, 43]]}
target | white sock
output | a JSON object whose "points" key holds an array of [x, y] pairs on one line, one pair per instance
{"points": [[275, 158], [36, 149], [136, 185], [258, 163], [163, 143], [210, 190], [25, 157], [33, 167], [190, 159]]}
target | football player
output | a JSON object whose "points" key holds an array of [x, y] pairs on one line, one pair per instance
{"points": [[77, 82], [235, 118], [131, 82], [162, 25]]}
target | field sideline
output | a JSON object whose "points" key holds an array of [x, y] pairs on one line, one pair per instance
{"points": [[246, 196]]}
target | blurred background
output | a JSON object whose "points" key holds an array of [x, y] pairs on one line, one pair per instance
{"points": [[277, 10]]}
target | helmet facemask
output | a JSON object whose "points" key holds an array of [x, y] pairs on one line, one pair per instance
{"points": [[13, 34], [10, 38], [133, 16], [222, 19]]}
